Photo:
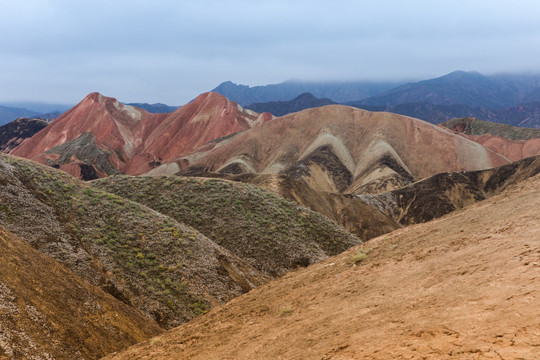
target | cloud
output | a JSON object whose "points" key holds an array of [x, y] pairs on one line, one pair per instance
{"points": [[169, 51]]}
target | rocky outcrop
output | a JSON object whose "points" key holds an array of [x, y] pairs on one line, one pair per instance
{"points": [[13, 133]]}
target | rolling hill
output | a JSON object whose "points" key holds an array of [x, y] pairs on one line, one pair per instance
{"points": [[513, 142], [272, 234], [341, 149], [158, 264], [167, 270], [522, 115]]}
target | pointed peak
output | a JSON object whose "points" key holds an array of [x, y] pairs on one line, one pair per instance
{"points": [[99, 98], [210, 97]]}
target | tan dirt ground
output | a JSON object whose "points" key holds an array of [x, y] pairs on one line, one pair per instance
{"points": [[465, 286]]}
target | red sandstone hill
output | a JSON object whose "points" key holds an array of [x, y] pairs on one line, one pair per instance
{"points": [[342, 149], [101, 136]]}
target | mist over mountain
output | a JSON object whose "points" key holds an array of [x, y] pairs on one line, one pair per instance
{"points": [[512, 99], [460, 87]]}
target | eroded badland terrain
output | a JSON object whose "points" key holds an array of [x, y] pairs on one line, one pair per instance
{"points": [[214, 232]]}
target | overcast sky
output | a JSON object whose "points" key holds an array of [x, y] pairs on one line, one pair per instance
{"points": [[171, 51]]}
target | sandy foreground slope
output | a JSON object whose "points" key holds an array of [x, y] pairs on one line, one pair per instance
{"points": [[465, 286]]}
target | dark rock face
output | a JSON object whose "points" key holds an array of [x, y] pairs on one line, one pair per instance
{"points": [[88, 172], [443, 193], [13, 133], [324, 158], [86, 150]]}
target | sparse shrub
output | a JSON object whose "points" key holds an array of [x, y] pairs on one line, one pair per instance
{"points": [[285, 310], [359, 257]]}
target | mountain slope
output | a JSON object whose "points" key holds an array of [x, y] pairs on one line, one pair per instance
{"points": [[280, 108], [100, 124], [270, 233], [165, 269], [354, 215], [208, 117], [346, 150], [100, 136], [49, 312], [462, 286]]}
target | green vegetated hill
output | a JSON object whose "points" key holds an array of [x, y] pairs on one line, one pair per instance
{"points": [[48, 312], [472, 126], [167, 270], [273, 234], [354, 215]]}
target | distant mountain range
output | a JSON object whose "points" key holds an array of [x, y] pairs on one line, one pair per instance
{"points": [[339, 92], [157, 108], [280, 108], [460, 87], [505, 98], [8, 114]]}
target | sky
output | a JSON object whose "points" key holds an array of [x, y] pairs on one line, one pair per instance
{"points": [[58, 51]]}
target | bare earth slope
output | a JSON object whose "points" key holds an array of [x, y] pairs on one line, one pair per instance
{"points": [[47, 312], [463, 286], [342, 149]]}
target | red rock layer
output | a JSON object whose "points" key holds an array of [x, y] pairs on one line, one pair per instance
{"points": [[138, 140], [512, 149]]}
